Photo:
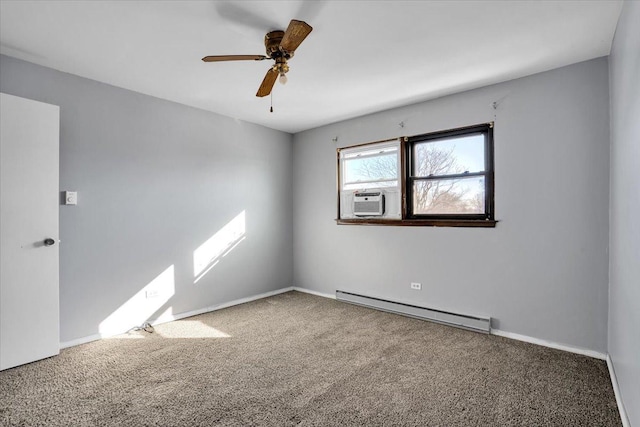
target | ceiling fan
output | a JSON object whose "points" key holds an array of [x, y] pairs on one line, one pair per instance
{"points": [[280, 46]]}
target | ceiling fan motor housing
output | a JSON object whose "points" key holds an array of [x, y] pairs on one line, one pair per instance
{"points": [[272, 44]]}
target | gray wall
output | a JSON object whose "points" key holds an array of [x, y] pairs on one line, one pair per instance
{"points": [[542, 272], [624, 264], [155, 180]]}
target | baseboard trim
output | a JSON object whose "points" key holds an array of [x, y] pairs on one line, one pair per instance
{"points": [[96, 337], [316, 293], [79, 341], [224, 305], [550, 344], [616, 392]]}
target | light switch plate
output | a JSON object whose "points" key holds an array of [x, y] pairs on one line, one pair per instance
{"points": [[70, 197]]}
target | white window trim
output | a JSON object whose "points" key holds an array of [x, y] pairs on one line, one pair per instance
{"points": [[394, 198], [369, 150]]}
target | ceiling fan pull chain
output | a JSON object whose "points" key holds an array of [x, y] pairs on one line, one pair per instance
{"points": [[271, 109]]}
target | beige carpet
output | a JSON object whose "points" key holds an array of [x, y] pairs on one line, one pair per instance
{"points": [[297, 359]]}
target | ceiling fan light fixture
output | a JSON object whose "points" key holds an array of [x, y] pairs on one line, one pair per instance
{"points": [[281, 67]]}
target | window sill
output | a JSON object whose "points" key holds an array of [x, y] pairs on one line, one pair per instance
{"points": [[483, 223]]}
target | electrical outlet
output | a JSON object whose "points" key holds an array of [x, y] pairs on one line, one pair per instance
{"points": [[416, 286], [152, 293]]}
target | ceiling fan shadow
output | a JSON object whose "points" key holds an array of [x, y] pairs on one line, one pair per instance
{"points": [[309, 10], [238, 16]]}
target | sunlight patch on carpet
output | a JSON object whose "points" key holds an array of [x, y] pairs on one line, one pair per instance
{"points": [[189, 329]]}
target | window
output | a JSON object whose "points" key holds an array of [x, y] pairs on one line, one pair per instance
{"points": [[451, 175], [442, 178], [370, 168]]}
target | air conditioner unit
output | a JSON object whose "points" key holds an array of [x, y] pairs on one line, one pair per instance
{"points": [[368, 204]]}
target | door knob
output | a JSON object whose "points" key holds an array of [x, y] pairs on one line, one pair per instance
{"points": [[49, 242]]}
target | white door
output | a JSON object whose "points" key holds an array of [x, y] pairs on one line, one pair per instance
{"points": [[29, 202]]}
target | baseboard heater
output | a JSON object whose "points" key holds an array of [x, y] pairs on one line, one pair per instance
{"points": [[473, 323]]}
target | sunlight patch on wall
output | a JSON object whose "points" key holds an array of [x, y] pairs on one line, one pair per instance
{"points": [[218, 246], [140, 307]]}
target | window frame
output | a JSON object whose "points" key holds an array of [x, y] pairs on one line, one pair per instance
{"points": [[396, 143], [399, 144], [487, 219], [487, 131]]}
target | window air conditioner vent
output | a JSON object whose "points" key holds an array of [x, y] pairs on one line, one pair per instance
{"points": [[368, 204]]}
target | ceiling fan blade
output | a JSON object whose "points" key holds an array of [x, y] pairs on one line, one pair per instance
{"points": [[296, 32], [219, 58], [267, 83]]}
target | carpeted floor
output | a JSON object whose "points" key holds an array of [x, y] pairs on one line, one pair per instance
{"points": [[298, 359]]}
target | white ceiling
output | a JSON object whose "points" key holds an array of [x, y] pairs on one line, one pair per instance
{"points": [[362, 56]]}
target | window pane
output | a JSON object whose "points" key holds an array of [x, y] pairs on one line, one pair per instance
{"points": [[449, 196], [372, 168], [449, 156]]}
